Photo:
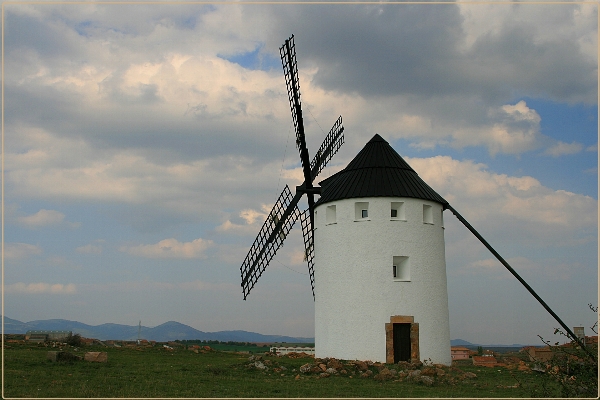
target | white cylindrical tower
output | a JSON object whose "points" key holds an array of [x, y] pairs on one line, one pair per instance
{"points": [[380, 270]]}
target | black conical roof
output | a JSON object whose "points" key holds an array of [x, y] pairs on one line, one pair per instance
{"points": [[377, 171]]}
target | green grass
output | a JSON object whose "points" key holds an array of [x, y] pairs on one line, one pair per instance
{"points": [[155, 372]]}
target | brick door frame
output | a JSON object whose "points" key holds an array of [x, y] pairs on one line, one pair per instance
{"points": [[389, 337]]}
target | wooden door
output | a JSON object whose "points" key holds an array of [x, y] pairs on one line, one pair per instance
{"points": [[401, 342]]}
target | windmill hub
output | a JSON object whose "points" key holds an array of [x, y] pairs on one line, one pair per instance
{"points": [[312, 190]]}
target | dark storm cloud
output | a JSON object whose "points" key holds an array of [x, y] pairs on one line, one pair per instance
{"points": [[417, 50]]}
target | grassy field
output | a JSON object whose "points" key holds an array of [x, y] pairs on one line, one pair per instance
{"points": [[159, 372]]}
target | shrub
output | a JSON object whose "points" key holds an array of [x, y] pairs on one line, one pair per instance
{"points": [[74, 340], [573, 369]]}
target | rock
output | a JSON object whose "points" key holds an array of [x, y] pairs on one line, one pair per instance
{"points": [[440, 372], [297, 377], [384, 375], [331, 371], [403, 365], [428, 371], [393, 372], [414, 374], [323, 367], [427, 380], [306, 368], [96, 356], [366, 374], [336, 364], [343, 372], [260, 365], [361, 365], [324, 375], [470, 375], [56, 356]]}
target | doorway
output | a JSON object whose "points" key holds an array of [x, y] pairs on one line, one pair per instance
{"points": [[401, 339], [401, 342]]}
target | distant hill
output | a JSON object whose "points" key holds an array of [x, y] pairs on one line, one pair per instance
{"points": [[495, 347], [162, 333]]}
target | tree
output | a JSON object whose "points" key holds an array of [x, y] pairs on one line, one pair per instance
{"points": [[573, 369], [74, 340]]}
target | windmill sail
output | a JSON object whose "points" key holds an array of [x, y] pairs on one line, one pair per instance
{"points": [[309, 247], [275, 229], [332, 143], [285, 212]]}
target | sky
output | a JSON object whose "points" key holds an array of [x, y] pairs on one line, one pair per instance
{"points": [[144, 145]]}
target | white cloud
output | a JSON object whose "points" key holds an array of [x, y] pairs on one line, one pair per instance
{"points": [[562, 148], [593, 147], [511, 129], [16, 251], [492, 197], [40, 288], [46, 218], [89, 249], [170, 248]]}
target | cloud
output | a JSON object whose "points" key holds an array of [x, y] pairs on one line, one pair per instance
{"points": [[170, 248], [593, 147], [512, 129], [45, 218], [89, 249], [17, 251], [562, 148], [494, 198], [40, 288], [149, 286]]}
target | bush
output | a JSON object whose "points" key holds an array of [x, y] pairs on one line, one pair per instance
{"points": [[572, 368], [74, 340]]}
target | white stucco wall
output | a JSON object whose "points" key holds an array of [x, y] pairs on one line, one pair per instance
{"points": [[355, 292]]}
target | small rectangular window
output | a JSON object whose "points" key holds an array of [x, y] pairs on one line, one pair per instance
{"points": [[361, 211], [427, 214], [401, 268], [330, 217], [397, 210]]}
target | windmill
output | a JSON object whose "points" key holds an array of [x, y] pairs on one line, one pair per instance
{"points": [[380, 259], [285, 212]]}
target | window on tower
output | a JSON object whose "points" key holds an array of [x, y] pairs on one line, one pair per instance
{"points": [[397, 211], [427, 214], [330, 217], [361, 211], [401, 269]]}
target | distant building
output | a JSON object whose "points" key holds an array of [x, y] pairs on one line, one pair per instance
{"points": [[42, 336], [459, 353], [288, 350], [539, 353], [485, 361]]}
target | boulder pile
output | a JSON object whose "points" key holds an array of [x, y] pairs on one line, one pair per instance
{"points": [[426, 373]]}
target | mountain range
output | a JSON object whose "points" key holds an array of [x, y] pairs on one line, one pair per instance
{"points": [[162, 333], [167, 332]]}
